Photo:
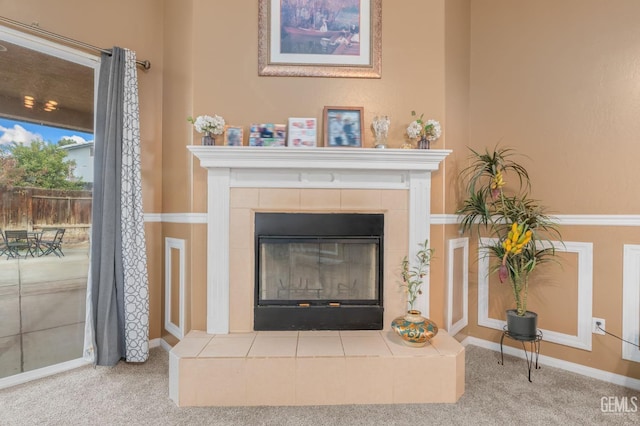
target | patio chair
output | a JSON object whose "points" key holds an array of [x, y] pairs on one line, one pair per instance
{"points": [[17, 241], [4, 248], [52, 245]]}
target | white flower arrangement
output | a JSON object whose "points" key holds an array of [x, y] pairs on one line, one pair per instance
{"points": [[429, 129], [208, 124]]}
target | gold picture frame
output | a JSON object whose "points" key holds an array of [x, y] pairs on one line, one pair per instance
{"points": [[350, 45], [343, 127]]}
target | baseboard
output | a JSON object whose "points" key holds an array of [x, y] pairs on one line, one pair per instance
{"points": [[606, 376], [158, 342], [41, 373]]}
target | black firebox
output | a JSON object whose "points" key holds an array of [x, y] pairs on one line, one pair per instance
{"points": [[318, 271]]}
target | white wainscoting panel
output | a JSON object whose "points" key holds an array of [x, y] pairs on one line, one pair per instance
{"points": [[174, 244], [582, 340], [463, 287], [631, 302]]}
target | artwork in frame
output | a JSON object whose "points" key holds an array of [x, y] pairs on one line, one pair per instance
{"points": [[343, 126], [307, 38], [302, 133], [268, 134], [233, 135]]}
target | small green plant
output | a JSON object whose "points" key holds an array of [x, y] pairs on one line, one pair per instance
{"points": [[413, 275]]}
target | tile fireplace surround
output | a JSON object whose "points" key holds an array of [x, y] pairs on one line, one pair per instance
{"points": [[229, 363]]}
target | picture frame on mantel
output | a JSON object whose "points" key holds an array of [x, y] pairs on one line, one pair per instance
{"points": [[343, 39], [343, 127]]}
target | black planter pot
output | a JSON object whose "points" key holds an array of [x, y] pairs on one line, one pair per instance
{"points": [[522, 327]]}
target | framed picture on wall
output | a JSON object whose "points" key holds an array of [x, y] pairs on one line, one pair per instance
{"points": [[233, 135], [343, 126], [337, 38]]}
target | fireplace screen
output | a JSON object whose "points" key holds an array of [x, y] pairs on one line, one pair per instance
{"points": [[318, 271], [342, 271]]}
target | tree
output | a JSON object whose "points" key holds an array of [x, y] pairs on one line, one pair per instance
{"points": [[43, 165], [10, 173]]}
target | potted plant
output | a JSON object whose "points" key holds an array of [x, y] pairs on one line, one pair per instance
{"points": [[521, 233], [209, 127], [414, 329]]}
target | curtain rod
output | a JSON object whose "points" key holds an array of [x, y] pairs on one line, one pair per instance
{"points": [[34, 28]]}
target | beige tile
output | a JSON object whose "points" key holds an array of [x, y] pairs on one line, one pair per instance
{"points": [[240, 233], [320, 199], [416, 381], [243, 197], [188, 382], [396, 230], [190, 347], [394, 199], [285, 333], [372, 345], [445, 344], [360, 199], [270, 346], [369, 380], [365, 333], [317, 333], [240, 290], [198, 333], [279, 198], [227, 347], [322, 346], [271, 381], [222, 381], [399, 349], [320, 381]]}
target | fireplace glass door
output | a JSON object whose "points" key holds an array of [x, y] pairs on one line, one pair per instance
{"points": [[318, 271]]}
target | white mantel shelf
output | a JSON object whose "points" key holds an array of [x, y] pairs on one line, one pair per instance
{"points": [[319, 158], [337, 168]]}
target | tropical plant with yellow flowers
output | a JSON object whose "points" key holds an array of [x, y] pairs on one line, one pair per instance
{"points": [[520, 234]]}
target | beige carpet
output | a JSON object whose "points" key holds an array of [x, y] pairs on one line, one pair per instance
{"points": [[138, 395]]}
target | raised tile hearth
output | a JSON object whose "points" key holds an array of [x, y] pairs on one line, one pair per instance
{"points": [[313, 368]]}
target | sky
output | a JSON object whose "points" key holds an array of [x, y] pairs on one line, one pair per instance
{"points": [[23, 132]]}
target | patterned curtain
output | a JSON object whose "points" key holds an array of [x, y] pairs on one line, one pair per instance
{"points": [[117, 325]]}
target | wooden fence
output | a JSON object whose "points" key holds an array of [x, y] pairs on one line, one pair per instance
{"points": [[33, 208]]}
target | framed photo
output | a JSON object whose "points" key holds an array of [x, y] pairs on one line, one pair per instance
{"points": [[233, 135], [343, 126], [268, 134], [302, 133], [338, 38]]}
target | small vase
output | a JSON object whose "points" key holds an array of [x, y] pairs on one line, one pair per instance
{"points": [[208, 139], [414, 329], [423, 143]]}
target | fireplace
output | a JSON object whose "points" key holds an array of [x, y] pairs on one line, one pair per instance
{"points": [[316, 271]]}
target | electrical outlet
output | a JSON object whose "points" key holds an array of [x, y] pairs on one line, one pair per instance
{"points": [[594, 326]]}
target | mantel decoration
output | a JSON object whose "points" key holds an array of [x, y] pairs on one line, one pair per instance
{"points": [[209, 127], [520, 231], [414, 329], [380, 127], [425, 131]]}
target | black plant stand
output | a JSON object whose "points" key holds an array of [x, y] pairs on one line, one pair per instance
{"points": [[534, 342]]}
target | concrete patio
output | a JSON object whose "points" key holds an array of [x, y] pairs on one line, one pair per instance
{"points": [[42, 301]]}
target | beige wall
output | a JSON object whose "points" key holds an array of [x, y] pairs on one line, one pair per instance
{"points": [[557, 80]]}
